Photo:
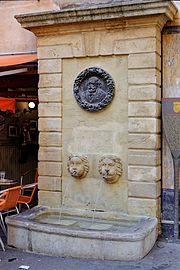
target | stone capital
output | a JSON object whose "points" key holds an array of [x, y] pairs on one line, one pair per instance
{"points": [[120, 11]]}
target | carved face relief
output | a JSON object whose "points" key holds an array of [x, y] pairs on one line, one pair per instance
{"points": [[93, 89], [110, 168], [78, 166]]}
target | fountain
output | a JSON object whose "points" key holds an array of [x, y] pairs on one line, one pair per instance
{"points": [[92, 221], [111, 236], [94, 118]]}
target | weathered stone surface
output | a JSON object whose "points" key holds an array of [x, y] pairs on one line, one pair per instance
{"points": [[92, 43], [49, 66], [18, 237], [142, 76], [143, 206], [144, 125], [144, 157], [105, 12], [49, 183], [95, 135], [56, 52], [144, 190], [50, 153], [49, 124], [50, 168], [47, 109], [144, 109], [74, 42], [144, 60], [144, 93], [50, 139], [144, 141], [119, 243], [144, 45], [144, 173], [50, 198], [49, 94], [50, 80]]}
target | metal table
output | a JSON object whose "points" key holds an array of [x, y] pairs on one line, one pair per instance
{"points": [[8, 182]]}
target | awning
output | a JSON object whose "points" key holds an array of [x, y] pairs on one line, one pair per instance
{"points": [[7, 104], [13, 60]]}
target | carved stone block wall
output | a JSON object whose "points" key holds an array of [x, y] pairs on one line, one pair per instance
{"points": [[50, 138], [144, 80], [139, 39]]}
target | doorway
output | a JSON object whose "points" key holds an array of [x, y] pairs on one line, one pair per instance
{"points": [[19, 128]]}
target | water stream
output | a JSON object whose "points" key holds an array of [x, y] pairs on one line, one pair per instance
{"points": [[99, 189], [63, 201]]}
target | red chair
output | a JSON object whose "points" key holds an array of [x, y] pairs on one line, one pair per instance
{"points": [[28, 191], [25, 199], [29, 173], [8, 203]]}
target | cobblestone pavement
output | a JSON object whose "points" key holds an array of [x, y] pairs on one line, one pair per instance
{"points": [[163, 256]]}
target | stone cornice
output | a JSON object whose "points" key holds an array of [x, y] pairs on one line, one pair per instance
{"points": [[118, 10]]}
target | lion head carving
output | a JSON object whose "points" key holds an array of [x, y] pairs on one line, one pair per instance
{"points": [[78, 166], [110, 167]]}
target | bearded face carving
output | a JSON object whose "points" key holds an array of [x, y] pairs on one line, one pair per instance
{"points": [[78, 166], [110, 168]]}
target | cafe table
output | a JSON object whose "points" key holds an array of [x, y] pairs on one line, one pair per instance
{"points": [[8, 183]]}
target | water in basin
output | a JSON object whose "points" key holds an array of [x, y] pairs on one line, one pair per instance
{"points": [[86, 223]]}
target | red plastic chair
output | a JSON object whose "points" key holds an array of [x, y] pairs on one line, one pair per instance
{"points": [[8, 203], [25, 199], [29, 172], [28, 191]]}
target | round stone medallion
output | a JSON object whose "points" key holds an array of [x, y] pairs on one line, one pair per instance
{"points": [[93, 89]]}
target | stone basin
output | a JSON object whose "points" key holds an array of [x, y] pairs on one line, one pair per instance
{"points": [[105, 236]]}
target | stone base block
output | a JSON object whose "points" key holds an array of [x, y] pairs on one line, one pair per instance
{"points": [[42, 230]]}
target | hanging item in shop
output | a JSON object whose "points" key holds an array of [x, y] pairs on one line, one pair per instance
{"points": [[26, 133], [2, 122]]}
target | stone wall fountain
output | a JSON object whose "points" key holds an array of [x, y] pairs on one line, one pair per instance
{"points": [[99, 166]]}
